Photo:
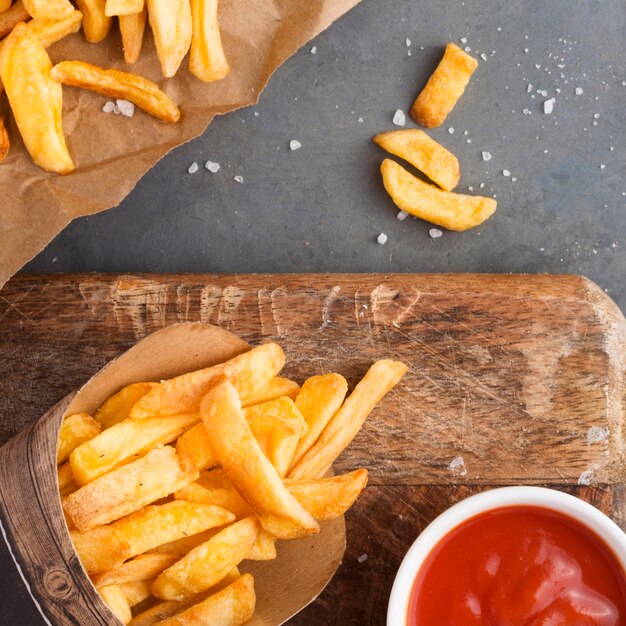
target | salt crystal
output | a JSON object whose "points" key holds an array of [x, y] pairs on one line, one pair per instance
{"points": [[537, 66], [466, 132], [109, 107], [407, 41], [126, 108], [458, 465], [193, 168], [602, 166], [514, 178], [482, 185], [469, 140], [486, 156], [382, 239], [451, 130], [542, 92], [399, 119], [360, 120], [470, 188], [434, 233], [463, 40], [529, 88], [548, 106], [238, 179], [294, 144], [483, 56], [506, 173], [314, 50], [402, 215], [362, 558], [468, 49], [525, 50], [212, 166], [527, 112], [596, 116]]}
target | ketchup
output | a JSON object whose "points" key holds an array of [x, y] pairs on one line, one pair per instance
{"points": [[519, 566]]}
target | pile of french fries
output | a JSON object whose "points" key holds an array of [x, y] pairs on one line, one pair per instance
{"points": [[33, 85], [169, 486]]}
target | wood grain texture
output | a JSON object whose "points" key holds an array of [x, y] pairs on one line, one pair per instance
{"points": [[522, 377]]}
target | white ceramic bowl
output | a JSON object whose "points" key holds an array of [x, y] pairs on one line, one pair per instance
{"points": [[586, 514]]}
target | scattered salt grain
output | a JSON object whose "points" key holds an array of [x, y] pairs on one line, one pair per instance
{"points": [[399, 119], [238, 179], [548, 106], [126, 108], [468, 49], [434, 233], [514, 179], [382, 239], [457, 465], [451, 130], [596, 116], [486, 156], [360, 120], [529, 88], [469, 140], [537, 66], [193, 168], [527, 112], [314, 50], [407, 41], [109, 106], [362, 558], [294, 144], [602, 166], [212, 166], [542, 92], [463, 40], [506, 173], [402, 215], [483, 56]]}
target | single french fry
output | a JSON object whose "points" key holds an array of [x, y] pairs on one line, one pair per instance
{"points": [[318, 400], [66, 481], [264, 548], [254, 477], [136, 591], [74, 431], [207, 564], [5, 5], [444, 87], [142, 567], [35, 98], [127, 489], [249, 372], [5, 144], [123, 7], [453, 211], [11, 17], [328, 498], [117, 408], [232, 606], [132, 28], [115, 599], [182, 546], [124, 442], [48, 9], [171, 25], [381, 377], [115, 84], [276, 388], [100, 549], [428, 156], [153, 526], [195, 450], [96, 24], [207, 60], [51, 31], [68, 521]]}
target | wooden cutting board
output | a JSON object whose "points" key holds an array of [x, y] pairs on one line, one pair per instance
{"points": [[512, 380]]}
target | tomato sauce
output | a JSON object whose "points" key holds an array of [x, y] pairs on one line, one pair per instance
{"points": [[519, 566]]}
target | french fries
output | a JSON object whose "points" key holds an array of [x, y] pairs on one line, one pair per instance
{"points": [[444, 87], [115, 84], [116, 600], [263, 548], [10, 18], [5, 5], [126, 489], [184, 545], [132, 28], [207, 564], [207, 60], [100, 549], [65, 478], [444, 208], [75, 430], [136, 591], [48, 9], [171, 25], [123, 7], [5, 144], [51, 31], [424, 153], [96, 24], [249, 469], [117, 407], [345, 424], [276, 388], [142, 567], [35, 99]]}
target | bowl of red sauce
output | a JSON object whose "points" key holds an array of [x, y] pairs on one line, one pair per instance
{"points": [[515, 556]]}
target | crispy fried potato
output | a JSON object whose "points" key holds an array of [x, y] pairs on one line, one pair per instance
{"points": [[124, 442], [264, 548], [48, 9], [171, 25], [117, 408], [207, 564], [11, 17], [5, 5], [127, 489], [123, 7], [115, 84], [132, 28], [115, 599], [195, 450], [424, 153], [68, 520], [96, 24], [136, 591], [153, 526], [74, 431], [249, 373], [5, 144], [51, 31], [232, 606], [276, 388], [65, 478], [143, 567], [100, 549], [207, 60], [444, 87], [35, 98], [346, 423], [254, 477], [328, 498], [453, 211], [318, 400], [182, 546]]}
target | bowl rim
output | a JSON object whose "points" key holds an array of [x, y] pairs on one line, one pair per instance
{"points": [[493, 499]]}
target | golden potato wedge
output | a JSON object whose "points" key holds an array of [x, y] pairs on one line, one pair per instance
{"points": [[127, 489], [11, 17], [209, 563], [276, 388], [346, 423], [66, 481], [115, 84], [74, 431], [48, 9], [96, 24], [182, 546], [444, 87], [264, 547], [155, 525], [124, 442], [117, 408], [136, 591], [232, 606], [35, 98], [171, 25], [428, 156], [51, 31], [123, 7], [328, 498], [115, 599], [5, 5], [453, 211], [195, 450], [5, 144], [142, 567], [254, 477], [207, 60], [249, 372], [132, 28], [100, 549], [318, 400]]}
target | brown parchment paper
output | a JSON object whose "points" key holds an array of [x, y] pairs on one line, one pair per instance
{"points": [[112, 152]]}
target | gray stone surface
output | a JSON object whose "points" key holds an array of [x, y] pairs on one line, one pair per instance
{"points": [[322, 207]]}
